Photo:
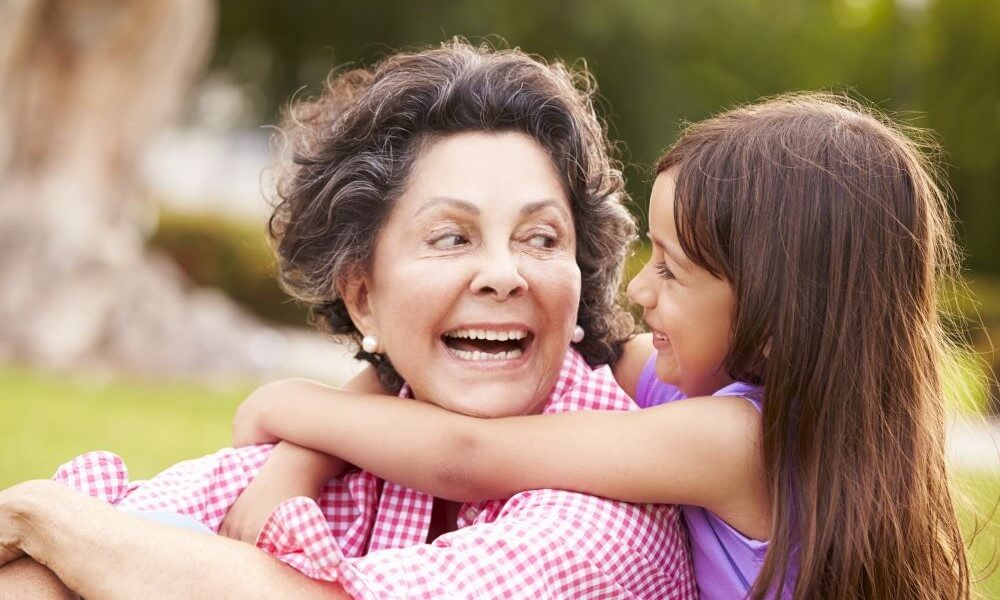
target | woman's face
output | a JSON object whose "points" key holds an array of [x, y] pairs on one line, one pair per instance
{"points": [[688, 310], [474, 287]]}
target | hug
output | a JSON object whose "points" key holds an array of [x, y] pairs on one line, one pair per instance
{"points": [[775, 429]]}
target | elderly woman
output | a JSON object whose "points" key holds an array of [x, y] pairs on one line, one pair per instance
{"points": [[456, 212]]}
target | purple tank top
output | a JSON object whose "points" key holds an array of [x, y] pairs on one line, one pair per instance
{"points": [[726, 562]]}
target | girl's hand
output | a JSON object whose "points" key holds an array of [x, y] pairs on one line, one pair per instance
{"points": [[249, 421], [290, 471]]}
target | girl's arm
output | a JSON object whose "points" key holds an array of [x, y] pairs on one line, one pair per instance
{"points": [[633, 360], [702, 451], [290, 471], [100, 552]]}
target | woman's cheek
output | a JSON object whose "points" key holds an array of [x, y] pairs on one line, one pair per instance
{"points": [[557, 283]]}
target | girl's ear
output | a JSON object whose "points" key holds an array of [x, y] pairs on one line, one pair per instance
{"points": [[354, 290]]}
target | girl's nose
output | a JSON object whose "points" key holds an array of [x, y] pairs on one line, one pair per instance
{"points": [[498, 276], [640, 289]]}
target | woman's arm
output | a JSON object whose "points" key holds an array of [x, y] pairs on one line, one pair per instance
{"points": [[28, 580], [102, 553]]}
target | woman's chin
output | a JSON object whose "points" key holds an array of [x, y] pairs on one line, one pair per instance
{"points": [[491, 400]]}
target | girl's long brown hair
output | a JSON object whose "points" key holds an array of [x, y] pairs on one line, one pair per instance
{"points": [[827, 220]]}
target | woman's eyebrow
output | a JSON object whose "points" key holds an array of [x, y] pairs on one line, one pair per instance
{"points": [[462, 205], [534, 207]]}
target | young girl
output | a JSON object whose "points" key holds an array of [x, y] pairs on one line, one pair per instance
{"points": [[795, 365]]}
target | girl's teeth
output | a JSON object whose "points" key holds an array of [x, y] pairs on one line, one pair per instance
{"points": [[476, 355]]}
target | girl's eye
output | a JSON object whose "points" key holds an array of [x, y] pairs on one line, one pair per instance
{"points": [[664, 271], [449, 241], [542, 240]]}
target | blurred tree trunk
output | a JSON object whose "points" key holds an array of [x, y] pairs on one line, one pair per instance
{"points": [[83, 85]]}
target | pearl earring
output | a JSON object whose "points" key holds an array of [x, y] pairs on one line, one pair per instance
{"points": [[369, 344], [578, 334]]}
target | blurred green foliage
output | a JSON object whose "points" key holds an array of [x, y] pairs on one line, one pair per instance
{"points": [[231, 255], [932, 63]]}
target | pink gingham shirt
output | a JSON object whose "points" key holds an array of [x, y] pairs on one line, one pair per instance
{"points": [[370, 535]]}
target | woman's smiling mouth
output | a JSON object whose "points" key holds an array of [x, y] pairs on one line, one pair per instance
{"points": [[488, 343]]}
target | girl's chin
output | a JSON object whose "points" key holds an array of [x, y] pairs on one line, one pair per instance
{"points": [[666, 371]]}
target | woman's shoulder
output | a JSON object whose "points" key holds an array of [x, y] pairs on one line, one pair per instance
{"points": [[582, 387]]}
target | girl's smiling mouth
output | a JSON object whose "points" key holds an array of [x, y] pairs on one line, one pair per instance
{"points": [[660, 340], [488, 344]]}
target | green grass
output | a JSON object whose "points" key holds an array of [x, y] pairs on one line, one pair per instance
{"points": [[48, 420], [980, 515]]}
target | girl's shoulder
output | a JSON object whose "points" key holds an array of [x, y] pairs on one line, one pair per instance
{"points": [[651, 392], [630, 367]]}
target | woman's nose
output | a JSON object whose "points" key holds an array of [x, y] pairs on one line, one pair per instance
{"points": [[499, 276], [639, 289]]}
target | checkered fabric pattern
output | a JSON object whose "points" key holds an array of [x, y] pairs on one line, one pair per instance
{"points": [[371, 535]]}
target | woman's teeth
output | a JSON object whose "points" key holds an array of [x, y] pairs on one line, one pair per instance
{"points": [[473, 344], [488, 334], [476, 355]]}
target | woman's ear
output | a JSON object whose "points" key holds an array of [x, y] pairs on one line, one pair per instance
{"points": [[354, 290]]}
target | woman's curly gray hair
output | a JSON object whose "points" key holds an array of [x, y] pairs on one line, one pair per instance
{"points": [[352, 149]]}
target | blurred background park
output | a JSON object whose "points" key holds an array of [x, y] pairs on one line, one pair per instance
{"points": [[139, 305]]}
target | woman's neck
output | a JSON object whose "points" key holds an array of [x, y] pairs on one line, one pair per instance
{"points": [[444, 518]]}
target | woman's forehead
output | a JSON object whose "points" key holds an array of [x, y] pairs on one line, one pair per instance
{"points": [[477, 170]]}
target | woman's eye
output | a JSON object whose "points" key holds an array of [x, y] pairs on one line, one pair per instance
{"points": [[449, 241], [664, 271], [542, 240]]}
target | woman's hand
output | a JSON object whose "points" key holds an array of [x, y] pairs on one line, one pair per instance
{"points": [[17, 505], [9, 554], [101, 552], [12, 521], [290, 471]]}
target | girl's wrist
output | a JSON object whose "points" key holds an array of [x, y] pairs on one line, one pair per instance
{"points": [[250, 424]]}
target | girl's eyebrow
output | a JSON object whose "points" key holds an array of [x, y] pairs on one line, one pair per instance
{"points": [[673, 253], [456, 203]]}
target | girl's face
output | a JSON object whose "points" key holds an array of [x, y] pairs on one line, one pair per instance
{"points": [[688, 310], [474, 288]]}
